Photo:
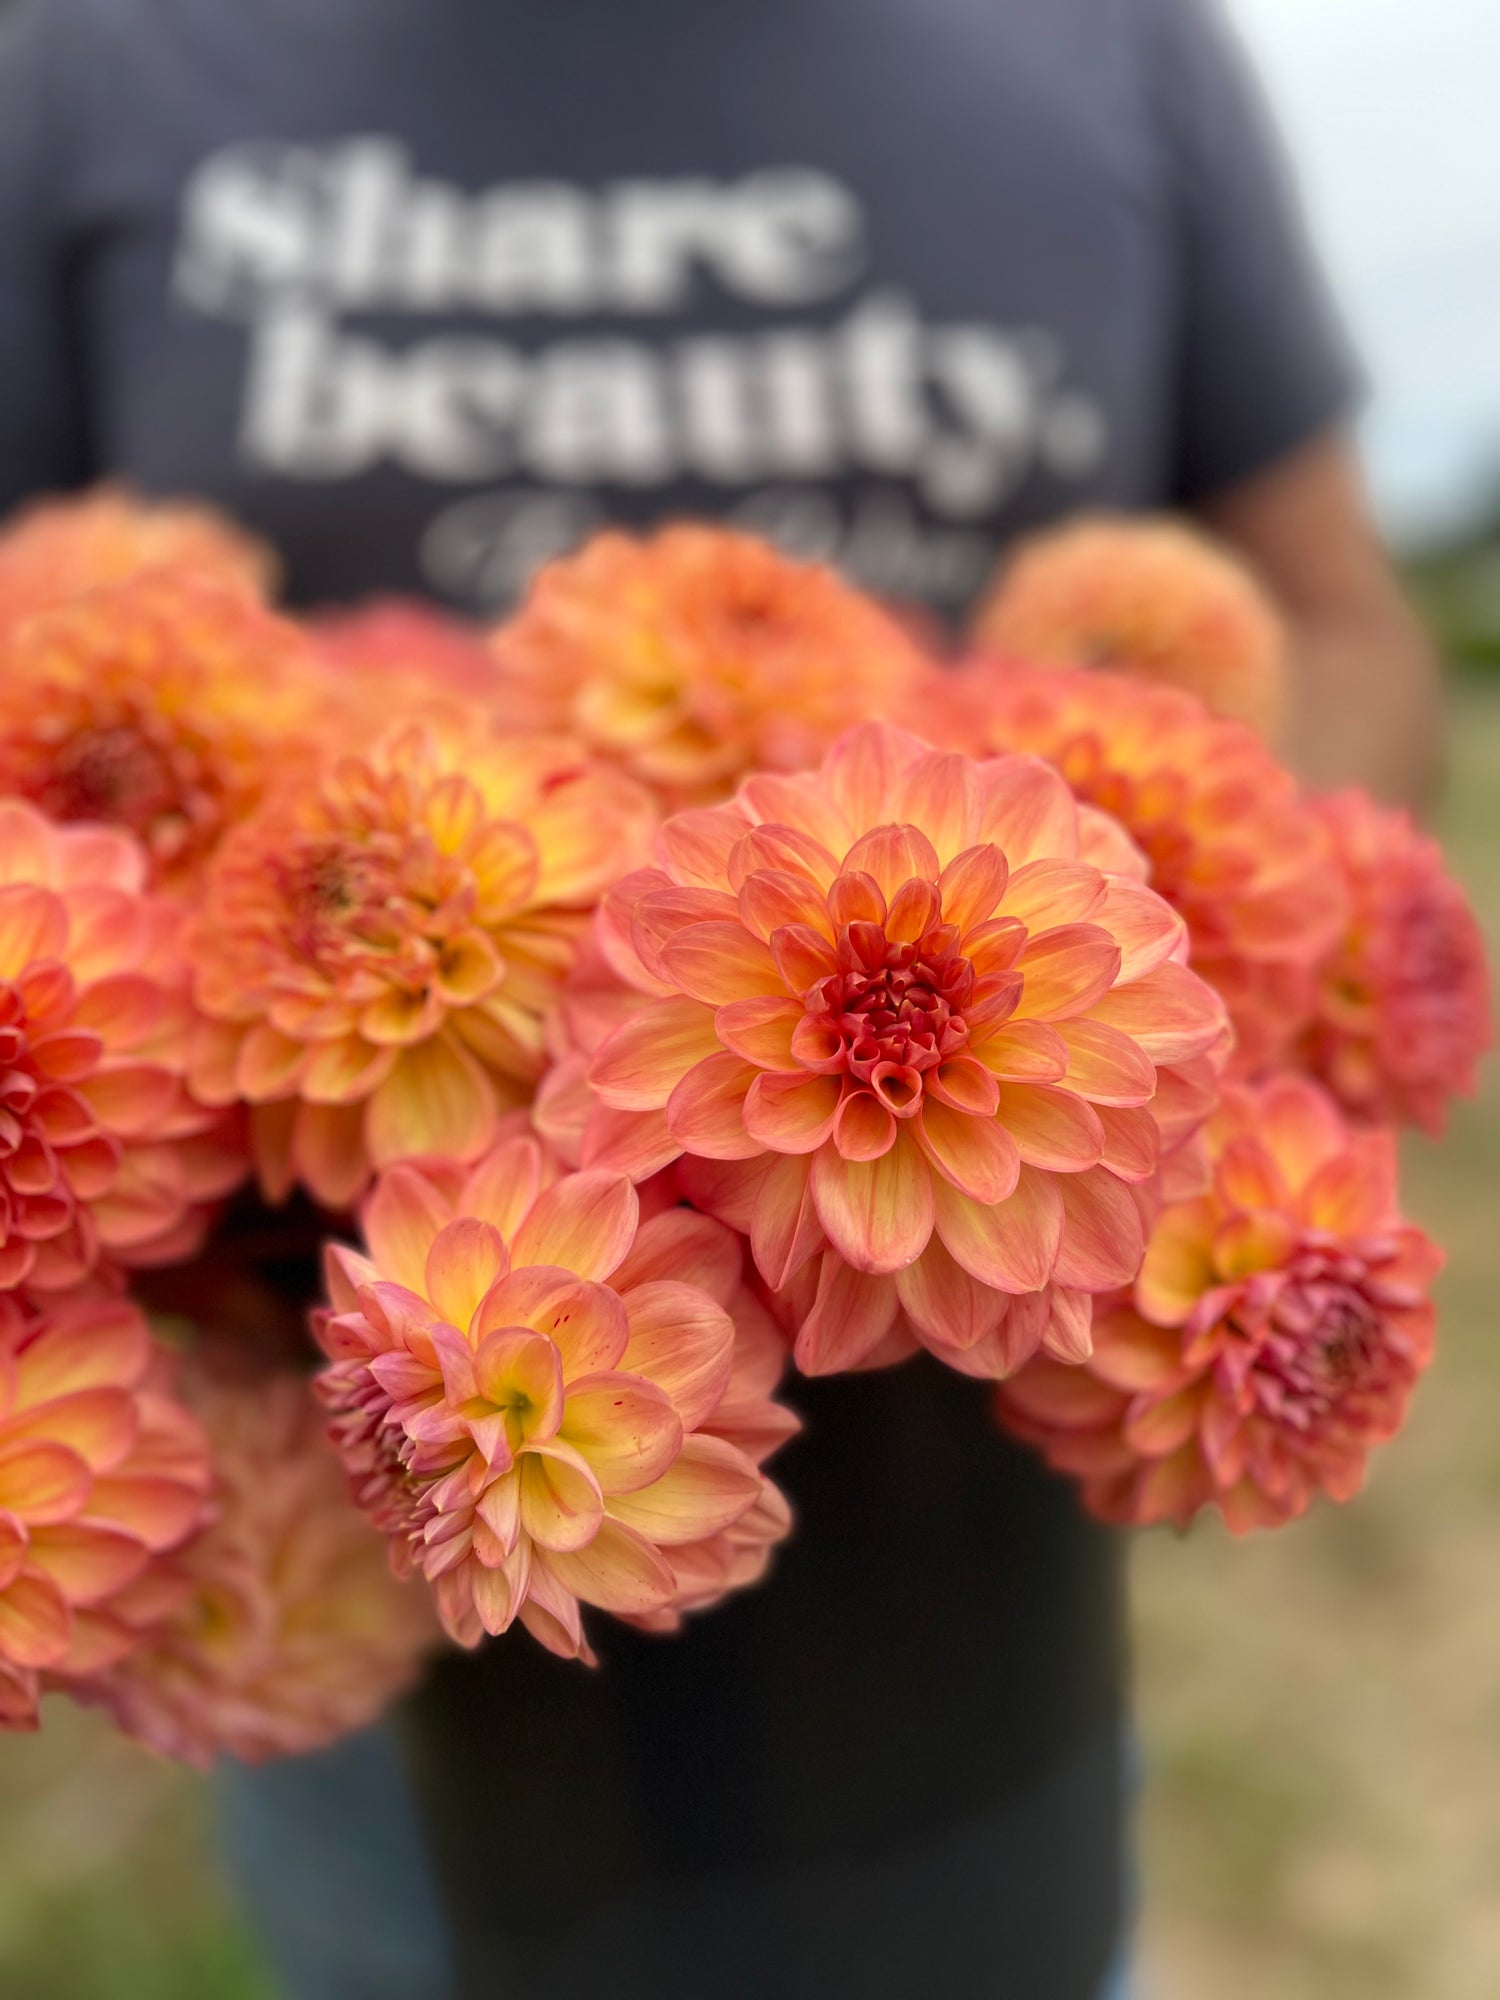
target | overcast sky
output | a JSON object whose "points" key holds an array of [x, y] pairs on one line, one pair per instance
{"points": [[1390, 110]]}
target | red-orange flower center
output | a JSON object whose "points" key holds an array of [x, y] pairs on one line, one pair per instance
{"points": [[892, 1010], [116, 772], [1314, 1338]]}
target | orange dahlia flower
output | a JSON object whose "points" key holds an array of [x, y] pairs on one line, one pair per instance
{"points": [[410, 652], [1403, 1009], [535, 1393], [164, 705], [1229, 841], [1152, 598], [378, 952], [99, 1471], [700, 654], [1278, 1327], [288, 1629], [905, 1038], [59, 549], [104, 1155]]}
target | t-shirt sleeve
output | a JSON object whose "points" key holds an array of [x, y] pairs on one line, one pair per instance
{"points": [[1263, 362], [42, 419]]}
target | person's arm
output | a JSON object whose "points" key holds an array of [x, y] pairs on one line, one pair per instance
{"points": [[1265, 385], [1365, 701]]}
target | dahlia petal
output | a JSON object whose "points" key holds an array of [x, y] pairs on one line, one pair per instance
{"points": [[328, 1150], [130, 1100], [719, 962], [1158, 1425], [795, 805], [855, 898], [400, 1016], [521, 1374], [690, 1249], [706, 1111], [971, 885], [33, 925], [760, 1029], [1070, 1325], [945, 1303], [1169, 1013], [35, 1624], [1247, 1243], [1355, 1192], [1067, 971], [1106, 1066], [803, 956], [851, 1314], [978, 1154], [1103, 1238], [791, 1112], [86, 1562], [681, 1341], [862, 770], [1052, 1129], [123, 1009], [964, 1085], [783, 1221], [437, 1100], [940, 794], [466, 1258], [771, 898], [85, 1345], [1012, 1246], [625, 1427], [400, 1219], [267, 1064], [1047, 893], [340, 1071], [501, 1187], [662, 914], [1179, 1266], [695, 846], [785, 850], [586, 1322], [159, 1512], [709, 1487], [561, 1506], [1132, 1356], [1132, 1141], [1028, 811], [892, 856], [494, 1597], [585, 1223], [617, 1571], [100, 1425], [863, 1128], [878, 1214], [43, 1482], [646, 1057], [1022, 1052], [1246, 1176]]}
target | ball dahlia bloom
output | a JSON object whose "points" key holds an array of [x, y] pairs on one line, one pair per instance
{"points": [[700, 654], [925, 1056], [378, 952], [1278, 1327], [1403, 1006], [104, 1154], [100, 1472], [537, 1399], [1154, 599], [286, 1628], [59, 549], [165, 705], [1229, 841]]}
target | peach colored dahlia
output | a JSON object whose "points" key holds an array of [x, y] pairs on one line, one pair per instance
{"points": [[1155, 599], [165, 705], [538, 1399], [700, 654], [899, 1033], [1278, 1327], [378, 953], [104, 1155], [59, 549], [1230, 842], [288, 1629], [100, 1470], [398, 651], [1403, 998]]}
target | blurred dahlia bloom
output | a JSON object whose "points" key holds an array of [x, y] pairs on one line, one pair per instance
{"points": [[401, 651], [901, 1035], [165, 704], [104, 1155], [1403, 998], [59, 549], [1278, 1327], [1229, 841], [284, 1627], [700, 654], [378, 951], [1153, 599], [541, 1399], [100, 1471]]}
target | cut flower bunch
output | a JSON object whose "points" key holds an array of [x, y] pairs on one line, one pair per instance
{"points": [[690, 984]]}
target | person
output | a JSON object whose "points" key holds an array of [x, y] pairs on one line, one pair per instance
{"points": [[425, 290]]}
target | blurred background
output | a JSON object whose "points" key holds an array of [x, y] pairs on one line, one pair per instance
{"points": [[1320, 1708]]}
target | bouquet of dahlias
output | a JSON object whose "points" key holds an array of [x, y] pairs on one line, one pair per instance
{"points": [[690, 983]]}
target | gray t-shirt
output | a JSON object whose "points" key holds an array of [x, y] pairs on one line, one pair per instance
{"points": [[425, 289]]}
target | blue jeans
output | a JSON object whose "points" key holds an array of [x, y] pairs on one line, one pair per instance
{"points": [[327, 1856]]}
